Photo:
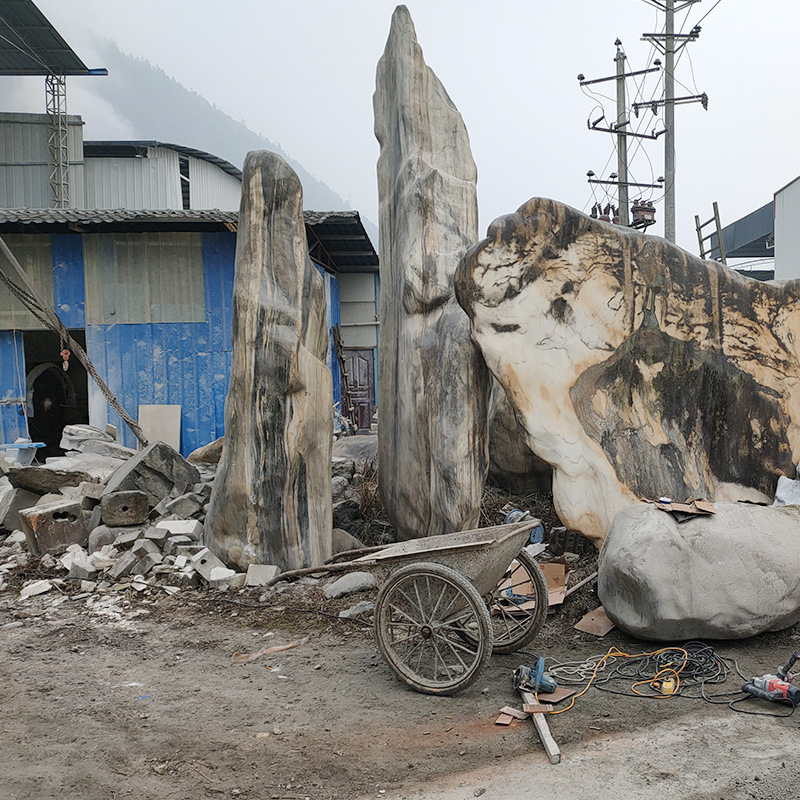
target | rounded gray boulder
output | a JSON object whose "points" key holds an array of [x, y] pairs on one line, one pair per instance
{"points": [[726, 576]]}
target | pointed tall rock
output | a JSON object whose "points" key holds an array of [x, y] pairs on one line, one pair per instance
{"points": [[433, 383], [272, 495]]}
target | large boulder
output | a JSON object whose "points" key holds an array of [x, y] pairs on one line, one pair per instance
{"points": [[271, 502], [634, 368], [729, 575], [433, 383]]}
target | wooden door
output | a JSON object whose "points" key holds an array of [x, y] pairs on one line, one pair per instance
{"points": [[360, 368]]}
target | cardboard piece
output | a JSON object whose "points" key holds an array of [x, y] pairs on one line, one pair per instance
{"points": [[161, 424], [595, 622], [555, 573]]}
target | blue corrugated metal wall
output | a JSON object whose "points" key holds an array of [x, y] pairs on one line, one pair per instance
{"points": [[334, 317], [12, 387], [186, 364]]}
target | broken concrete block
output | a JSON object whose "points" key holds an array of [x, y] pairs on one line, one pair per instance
{"points": [[110, 449], [124, 507], [181, 561], [188, 578], [146, 563], [91, 490], [11, 503], [128, 537], [171, 544], [123, 565], [44, 480], [157, 536], [142, 547], [205, 562], [74, 437], [88, 586], [32, 588], [350, 584], [185, 505], [55, 526], [221, 574], [51, 497], [237, 581], [153, 471], [81, 567], [16, 537], [183, 527], [203, 490], [261, 574]]}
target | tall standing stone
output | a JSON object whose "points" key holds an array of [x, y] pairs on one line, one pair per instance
{"points": [[433, 383], [272, 496]]}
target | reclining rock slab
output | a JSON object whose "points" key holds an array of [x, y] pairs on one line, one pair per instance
{"points": [[271, 502], [433, 384], [636, 369], [729, 575]]}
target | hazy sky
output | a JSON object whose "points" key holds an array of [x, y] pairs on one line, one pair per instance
{"points": [[303, 73]]}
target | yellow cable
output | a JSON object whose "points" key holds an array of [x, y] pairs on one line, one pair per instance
{"points": [[616, 652]]}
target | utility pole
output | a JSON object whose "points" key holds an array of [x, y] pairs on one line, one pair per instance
{"points": [[622, 139], [669, 120], [620, 129], [669, 43]]}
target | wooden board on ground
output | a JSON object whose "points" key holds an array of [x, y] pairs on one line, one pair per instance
{"points": [[531, 704], [549, 743], [514, 712], [562, 693], [595, 622], [504, 719]]}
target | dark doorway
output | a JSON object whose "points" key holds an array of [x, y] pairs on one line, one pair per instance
{"points": [[54, 397], [360, 368]]}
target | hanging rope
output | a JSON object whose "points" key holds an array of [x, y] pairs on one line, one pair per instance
{"points": [[48, 317]]}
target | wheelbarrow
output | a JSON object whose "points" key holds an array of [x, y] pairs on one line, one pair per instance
{"points": [[447, 602]]}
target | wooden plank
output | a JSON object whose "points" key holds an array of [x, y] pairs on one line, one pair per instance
{"points": [[514, 712], [562, 693], [504, 719], [548, 742], [540, 708]]}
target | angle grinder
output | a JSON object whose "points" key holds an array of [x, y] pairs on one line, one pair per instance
{"points": [[534, 678], [776, 688]]}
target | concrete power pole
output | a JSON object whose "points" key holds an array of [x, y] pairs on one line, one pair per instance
{"points": [[669, 120], [622, 139]]}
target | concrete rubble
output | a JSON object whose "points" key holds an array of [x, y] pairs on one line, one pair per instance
{"points": [[136, 521]]}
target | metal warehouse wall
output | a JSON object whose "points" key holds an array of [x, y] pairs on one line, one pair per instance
{"points": [[787, 232], [173, 363], [139, 183], [25, 161], [212, 187], [150, 359]]}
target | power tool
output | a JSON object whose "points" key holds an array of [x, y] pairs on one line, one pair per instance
{"points": [[534, 679], [777, 688]]}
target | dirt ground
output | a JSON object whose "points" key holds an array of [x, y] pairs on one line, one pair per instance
{"points": [[133, 696]]}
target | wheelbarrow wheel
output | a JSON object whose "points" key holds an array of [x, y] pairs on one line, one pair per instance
{"points": [[422, 613], [517, 605]]}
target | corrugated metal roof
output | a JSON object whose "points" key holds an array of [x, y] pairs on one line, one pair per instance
{"points": [[336, 239], [117, 149], [30, 45]]}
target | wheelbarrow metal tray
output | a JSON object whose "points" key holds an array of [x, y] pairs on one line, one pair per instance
{"points": [[481, 555]]}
